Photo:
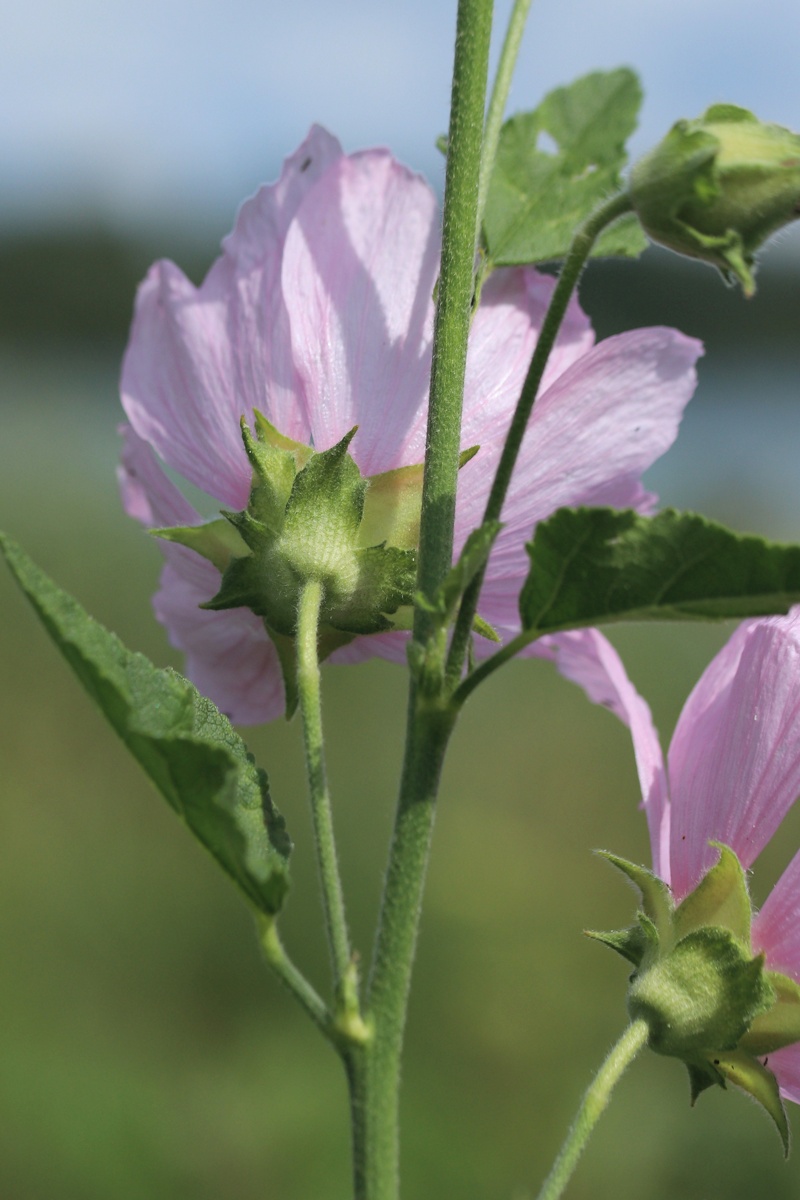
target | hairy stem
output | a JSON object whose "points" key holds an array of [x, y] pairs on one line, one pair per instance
{"points": [[308, 680], [592, 1106], [499, 99], [374, 1067]]}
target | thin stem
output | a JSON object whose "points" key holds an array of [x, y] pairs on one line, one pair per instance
{"points": [[292, 978], [592, 1106], [579, 251], [489, 666], [499, 99], [308, 680]]}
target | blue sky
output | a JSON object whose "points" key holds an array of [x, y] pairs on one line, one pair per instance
{"points": [[144, 110]]}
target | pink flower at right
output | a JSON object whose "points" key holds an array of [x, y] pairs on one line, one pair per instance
{"points": [[731, 775]]}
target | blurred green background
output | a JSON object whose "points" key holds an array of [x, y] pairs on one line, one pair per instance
{"points": [[144, 1049]]}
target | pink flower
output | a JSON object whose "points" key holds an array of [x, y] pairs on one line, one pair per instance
{"points": [[732, 773], [319, 314]]}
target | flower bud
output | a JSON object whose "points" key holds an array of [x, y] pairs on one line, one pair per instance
{"points": [[706, 998], [312, 516], [717, 187]]}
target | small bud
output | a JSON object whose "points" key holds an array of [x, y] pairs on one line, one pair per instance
{"points": [[716, 188], [706, 997]]}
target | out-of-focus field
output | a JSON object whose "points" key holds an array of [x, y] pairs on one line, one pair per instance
{"points": [[144, 1049]]}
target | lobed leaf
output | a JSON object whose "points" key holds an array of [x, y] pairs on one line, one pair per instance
{"points": [[537, 198], [183, 742]]}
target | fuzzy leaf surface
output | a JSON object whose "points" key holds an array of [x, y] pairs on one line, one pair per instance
{"points": [[186, 746], [591, 566]]}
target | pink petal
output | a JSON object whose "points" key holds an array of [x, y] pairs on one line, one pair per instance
{"points": [[606, 418], [776, 928], [229, 657], [201, 358], [359, 267], [785, 1065], [502, 340], [734, 762], [587, 658], [228, 654], [147, 494]]}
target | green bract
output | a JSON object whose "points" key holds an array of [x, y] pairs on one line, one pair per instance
{"points": [[706, 998], [313, 517], [717, 187]]}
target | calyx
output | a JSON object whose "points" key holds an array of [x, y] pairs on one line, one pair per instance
{"points": [[706, 998]]}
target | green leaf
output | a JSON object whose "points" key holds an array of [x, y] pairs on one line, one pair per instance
{"points": [[536, 198], [187, 747], [590, 566]]}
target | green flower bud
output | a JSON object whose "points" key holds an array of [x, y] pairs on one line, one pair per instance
{"points": [[716, 188], [706, 998], [313, 517]]}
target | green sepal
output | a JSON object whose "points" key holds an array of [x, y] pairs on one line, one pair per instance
{"points": [[631, 943], [703, 1075], [485, 630], [393, 505], [703, 994], [276, 461], [780, 1025], [537, 199], [758, 1081], [185, 745], [721, 898], [217, 541], [286, 649], [323, 512], [656, 896], [242, 587], [386, 578]]}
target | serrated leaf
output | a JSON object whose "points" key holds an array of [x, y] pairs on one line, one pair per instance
{"points": [[187, 747], [591, 566], [537, 198]]}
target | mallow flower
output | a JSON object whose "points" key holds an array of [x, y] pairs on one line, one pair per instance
{"points": [[311, 336], [731, 774]]}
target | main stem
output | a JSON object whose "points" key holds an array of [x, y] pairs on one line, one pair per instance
{"points": [[592, 1107], [374, 1068]]}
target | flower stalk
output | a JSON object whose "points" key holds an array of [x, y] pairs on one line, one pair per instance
{"points": [[580, 249], [308, 679], [592, 1106]]}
